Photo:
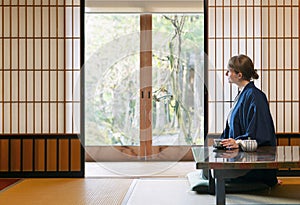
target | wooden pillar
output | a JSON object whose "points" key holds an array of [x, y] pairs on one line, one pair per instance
{"points": [[146, 85]]}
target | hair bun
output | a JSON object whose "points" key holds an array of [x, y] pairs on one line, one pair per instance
{"points": [[255, 75]]}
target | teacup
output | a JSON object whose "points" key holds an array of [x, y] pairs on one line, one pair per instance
{"points": [[217, 143], [248, 145]]}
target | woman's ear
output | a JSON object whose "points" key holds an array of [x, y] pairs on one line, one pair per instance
{"points": [[240, 75]]}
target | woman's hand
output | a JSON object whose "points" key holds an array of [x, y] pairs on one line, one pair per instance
{"points": [[230, 143]]}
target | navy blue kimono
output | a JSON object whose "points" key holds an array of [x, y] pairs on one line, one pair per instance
{"points": [[251, 117]]}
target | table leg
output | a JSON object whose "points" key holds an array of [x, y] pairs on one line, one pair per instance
{"points": [[220, 176], [220, 191]]}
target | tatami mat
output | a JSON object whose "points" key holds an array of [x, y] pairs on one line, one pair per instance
{"points": [[66, 192], [166, 191], [177, 192], [132, 183]]}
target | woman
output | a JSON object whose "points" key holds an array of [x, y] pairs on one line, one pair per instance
{"points": [[249, 116]]}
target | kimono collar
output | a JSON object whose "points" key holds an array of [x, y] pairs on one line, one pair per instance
{"points": [[249, 85]]}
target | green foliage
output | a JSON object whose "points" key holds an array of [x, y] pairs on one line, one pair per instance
{"points": [[112, 111]]}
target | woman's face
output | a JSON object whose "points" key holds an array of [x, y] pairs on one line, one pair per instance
{"points": [[233, 77]]}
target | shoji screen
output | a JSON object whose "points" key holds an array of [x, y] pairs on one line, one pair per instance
{"points": [[40, 88], [268, 32]]}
